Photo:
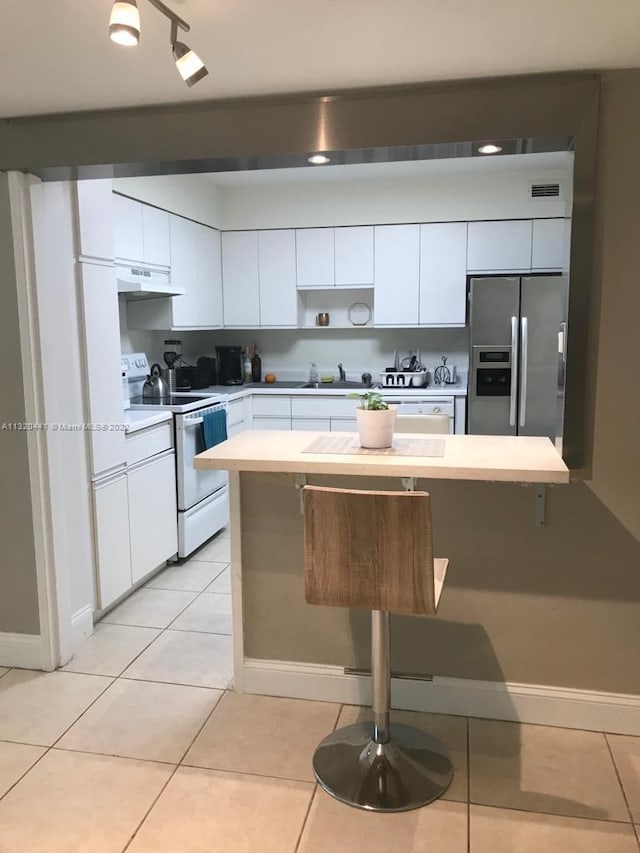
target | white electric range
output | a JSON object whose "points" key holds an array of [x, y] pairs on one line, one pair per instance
{"points": [[202, 496]]}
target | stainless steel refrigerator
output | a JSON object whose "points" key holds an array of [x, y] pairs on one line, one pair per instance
{"points": [[518, 340]]}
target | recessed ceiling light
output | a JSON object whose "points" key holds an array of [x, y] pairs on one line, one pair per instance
{"points": [[490, 148], [124, 23], [319, 159]]}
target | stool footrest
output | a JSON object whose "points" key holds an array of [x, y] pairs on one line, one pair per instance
{"points": [[409, 771]]}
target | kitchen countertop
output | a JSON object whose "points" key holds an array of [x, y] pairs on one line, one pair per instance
{"points": [[137, 420], [507, 459], [235, 392]]}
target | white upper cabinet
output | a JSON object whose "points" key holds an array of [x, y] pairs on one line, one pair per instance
{"points": [[155, 236], [315, 257], [184, 252], [548, 252], [397, 274], [503, 246], [95, 220], [277, 278], [128, 227], [101, 331], [443, 274], [354, 256], [141, 232], [195, 267], [240, 279], [209, 276]]}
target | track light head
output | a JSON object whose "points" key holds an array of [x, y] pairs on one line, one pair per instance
{"points": [[124, 23], [190, 67]]}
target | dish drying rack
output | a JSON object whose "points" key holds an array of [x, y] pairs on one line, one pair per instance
{"points": [[404, 378]]}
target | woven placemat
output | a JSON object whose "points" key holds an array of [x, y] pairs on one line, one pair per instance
{"points": [[401, 446]]}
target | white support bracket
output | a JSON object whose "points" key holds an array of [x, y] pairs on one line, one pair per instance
{"points": [[301, 482], [541, 505], [409, 484]]}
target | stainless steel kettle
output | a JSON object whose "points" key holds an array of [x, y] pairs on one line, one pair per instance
{"points": [[155, 387]]}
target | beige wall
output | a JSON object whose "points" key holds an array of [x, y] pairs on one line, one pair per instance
{"points": [[18, 591], [616, 458], [558, 605]]}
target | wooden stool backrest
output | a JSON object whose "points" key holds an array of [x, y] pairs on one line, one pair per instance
{"points": [[370, 550], [436, 423]]}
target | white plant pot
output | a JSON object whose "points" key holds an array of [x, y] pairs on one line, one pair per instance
{"points": [[375, 428]]}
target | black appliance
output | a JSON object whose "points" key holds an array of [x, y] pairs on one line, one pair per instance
{"points": [[229, 365], [206, 372]]}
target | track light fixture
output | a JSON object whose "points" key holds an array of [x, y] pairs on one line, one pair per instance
{"points": [[124, 23], [124, 29]]}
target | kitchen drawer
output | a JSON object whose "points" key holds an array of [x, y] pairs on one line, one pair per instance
{"points": [[235, 412], [311, 424], [272, 423], [323, 407], [236, 429], [344, 425], [147, 442], [274, 407]]}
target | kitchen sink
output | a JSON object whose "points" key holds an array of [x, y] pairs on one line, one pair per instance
{"points": [[328, 385]]}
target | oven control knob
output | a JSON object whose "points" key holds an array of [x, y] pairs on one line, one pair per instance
{"points": [[437, 410]]}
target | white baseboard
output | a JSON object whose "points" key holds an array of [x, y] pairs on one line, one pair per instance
{"points": [[526, 703], [81, 625], [21, 650]]}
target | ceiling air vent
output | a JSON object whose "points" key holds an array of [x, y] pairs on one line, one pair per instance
{"points": [[545, 190]]}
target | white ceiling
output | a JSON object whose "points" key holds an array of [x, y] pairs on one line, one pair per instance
{"points": [[405, 169], [56, 55]]}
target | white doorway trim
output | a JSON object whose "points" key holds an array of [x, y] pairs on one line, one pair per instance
{"points": [[53, 594]]}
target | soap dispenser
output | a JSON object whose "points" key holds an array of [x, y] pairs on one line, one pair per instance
{"points": [[313, 373]]}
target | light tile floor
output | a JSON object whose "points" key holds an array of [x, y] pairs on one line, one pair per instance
{"points": [[139, 745]]}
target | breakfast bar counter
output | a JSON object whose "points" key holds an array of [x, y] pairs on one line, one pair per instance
{"points": [[508, 459], [284, 646]]}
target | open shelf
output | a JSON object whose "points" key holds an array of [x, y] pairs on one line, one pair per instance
{"points": [[336, 302]]}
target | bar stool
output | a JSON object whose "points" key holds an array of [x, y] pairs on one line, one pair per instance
{"points": [[374, 550]]}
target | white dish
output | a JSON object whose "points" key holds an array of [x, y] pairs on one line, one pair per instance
{"points": [[359, 314]]}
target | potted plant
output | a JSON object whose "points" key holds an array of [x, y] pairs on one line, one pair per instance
{"points": [[375, 420]]}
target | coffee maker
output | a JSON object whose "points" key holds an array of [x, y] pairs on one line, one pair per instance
{"points": [[229, 365]]}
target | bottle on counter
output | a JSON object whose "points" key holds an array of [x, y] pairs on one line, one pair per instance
{"points": [[247, 371], [313, 373], [256, 365]]}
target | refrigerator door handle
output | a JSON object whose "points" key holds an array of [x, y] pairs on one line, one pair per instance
{"points": [[514, 371], [524, 370]]}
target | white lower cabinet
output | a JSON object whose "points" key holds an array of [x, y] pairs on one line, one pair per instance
{"points": [[153, 528], [113, 555], [135, 514], [238, 416], [271, 423], [311, 423], [344, 425]]}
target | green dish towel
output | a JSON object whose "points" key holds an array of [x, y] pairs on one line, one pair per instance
{"points": [[214, 428]]}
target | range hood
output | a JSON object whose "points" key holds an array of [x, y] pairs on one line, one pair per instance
{"points": [[144, 283]]}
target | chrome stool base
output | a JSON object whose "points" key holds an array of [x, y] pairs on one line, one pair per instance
{"points": [[409, 771]]}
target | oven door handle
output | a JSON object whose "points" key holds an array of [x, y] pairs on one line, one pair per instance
{"points": [[193, 422]]}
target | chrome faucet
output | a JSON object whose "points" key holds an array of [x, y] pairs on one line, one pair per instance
{"points": [[341, 373]]}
